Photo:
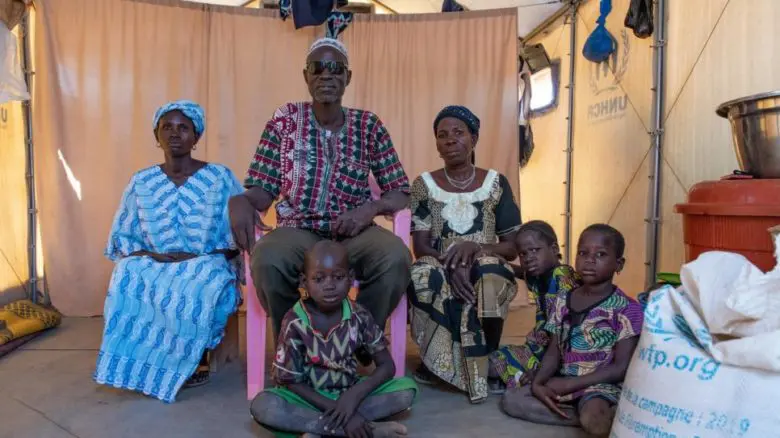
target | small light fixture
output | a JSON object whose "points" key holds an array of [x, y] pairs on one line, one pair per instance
{"points": [[535, 56], [543, 79]]}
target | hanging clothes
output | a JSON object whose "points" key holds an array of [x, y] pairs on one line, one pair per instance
{"points": [[524, 93], [524, 115], [337, 23], [311, 12], [451, 6], [315, 13], [640, 18], [285, 8], [600, 44], [306, 12]]}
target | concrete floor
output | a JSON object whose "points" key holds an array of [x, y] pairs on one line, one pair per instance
{"points": [[46, 391]]}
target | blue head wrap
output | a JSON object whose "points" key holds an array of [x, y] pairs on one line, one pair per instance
{"points": [[190, 109], [461, 113]]}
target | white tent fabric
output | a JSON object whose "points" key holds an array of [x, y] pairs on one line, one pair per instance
{"points": [[12, 85]]}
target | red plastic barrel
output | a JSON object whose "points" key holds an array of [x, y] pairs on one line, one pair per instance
{"points": [[732, 215]]}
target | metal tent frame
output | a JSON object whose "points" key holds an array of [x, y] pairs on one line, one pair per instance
{"points": [[656, 136], [32, 209], [575, 4]]}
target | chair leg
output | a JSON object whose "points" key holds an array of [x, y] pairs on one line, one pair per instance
{"points": [[256, 323], [402, 224], [398, 337]]}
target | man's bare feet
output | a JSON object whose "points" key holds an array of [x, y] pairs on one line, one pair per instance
{"points": [[388, 429]]}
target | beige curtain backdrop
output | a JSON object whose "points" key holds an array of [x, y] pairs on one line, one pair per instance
{"points": [[408, 67], [104, 66]]}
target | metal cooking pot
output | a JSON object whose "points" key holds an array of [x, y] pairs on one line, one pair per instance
{"points": [[755, 128]]}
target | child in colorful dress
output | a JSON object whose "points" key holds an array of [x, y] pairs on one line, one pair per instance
{"points": [[320, 392], [546, 278], [594, 329]]}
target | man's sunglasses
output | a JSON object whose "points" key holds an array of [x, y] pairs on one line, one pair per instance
{"points": [[319, 67]]}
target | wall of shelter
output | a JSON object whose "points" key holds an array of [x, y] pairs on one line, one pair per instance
{"points": [[728, 51]]}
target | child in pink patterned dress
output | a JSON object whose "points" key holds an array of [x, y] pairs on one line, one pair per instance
{"points": [[594, 329]]}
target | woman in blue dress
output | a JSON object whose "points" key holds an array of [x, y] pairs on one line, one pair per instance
{"points": [[175, 282]]}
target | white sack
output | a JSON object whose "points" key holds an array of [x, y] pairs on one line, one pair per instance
{"points": [[708, 360]]}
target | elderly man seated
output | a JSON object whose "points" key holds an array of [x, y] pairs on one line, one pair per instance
{"points": [[316, 158]]}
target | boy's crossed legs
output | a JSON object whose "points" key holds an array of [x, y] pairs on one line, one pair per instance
{"points": [[278, 412], [594, 414]]}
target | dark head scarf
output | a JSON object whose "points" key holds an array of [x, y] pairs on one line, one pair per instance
{"points": [[461, 113]]}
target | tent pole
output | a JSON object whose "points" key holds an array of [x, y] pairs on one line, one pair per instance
{"points": [[32, 210], [656, 136], [570, 129]]}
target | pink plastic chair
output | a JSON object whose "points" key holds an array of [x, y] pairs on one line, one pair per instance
{"points": [[256, 318]]}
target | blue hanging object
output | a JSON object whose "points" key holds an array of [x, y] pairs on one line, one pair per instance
{"points": [[600, 44]]}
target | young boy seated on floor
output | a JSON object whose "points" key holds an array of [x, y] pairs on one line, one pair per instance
{"points": [[319, 391], [594, 331], [512, 366]]}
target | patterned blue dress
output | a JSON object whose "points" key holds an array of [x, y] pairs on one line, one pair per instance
{"points": [[161, 317]]}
